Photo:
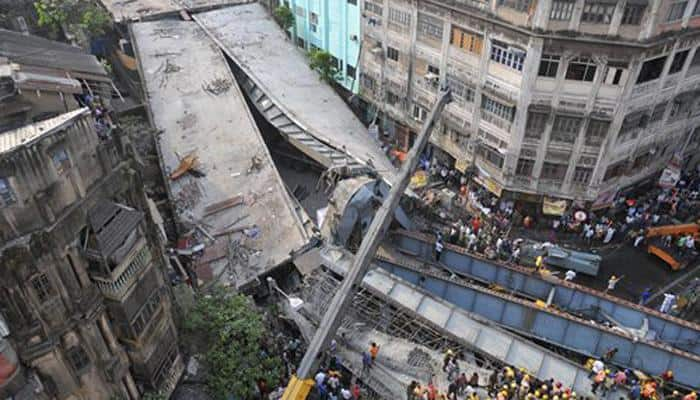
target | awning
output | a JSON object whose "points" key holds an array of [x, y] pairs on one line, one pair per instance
{"points": [[490, 184]]}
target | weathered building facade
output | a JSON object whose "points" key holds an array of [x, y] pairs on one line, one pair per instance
{"points": [[83, 290], [573, 99]]}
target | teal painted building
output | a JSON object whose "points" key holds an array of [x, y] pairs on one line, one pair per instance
{"points": [[334, 26]]}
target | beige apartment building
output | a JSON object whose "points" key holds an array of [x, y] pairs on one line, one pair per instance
{"points": [[568, 99]]}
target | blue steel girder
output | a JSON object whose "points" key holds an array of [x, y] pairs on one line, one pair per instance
{"points": [[556, 327], [568, 296]]}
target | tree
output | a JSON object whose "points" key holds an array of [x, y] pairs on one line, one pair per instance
{"points": [[231, 333], [323, 62], [284, 16], [74, 15]]}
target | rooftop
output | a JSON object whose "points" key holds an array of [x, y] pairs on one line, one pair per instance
{"points": [[39, 52], [257, 44], [28, 134], [133, 10], [196, 103], [112, 224]]}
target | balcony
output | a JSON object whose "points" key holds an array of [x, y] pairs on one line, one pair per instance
{"points": [[498, 122], [550, 186], [644, 89]]}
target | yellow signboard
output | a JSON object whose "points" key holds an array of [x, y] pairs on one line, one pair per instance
{"points": [[461, 165], [553, 206], [419, 180]]}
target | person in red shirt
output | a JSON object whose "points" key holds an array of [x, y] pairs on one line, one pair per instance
{"points": [[476, 223], [355, 391]]}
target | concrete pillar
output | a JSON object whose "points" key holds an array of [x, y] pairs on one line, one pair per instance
{"points": [[540, 18], [650, 22], [688, 12], [617, 18], [131, 386], [106, 331], [576, 15]]}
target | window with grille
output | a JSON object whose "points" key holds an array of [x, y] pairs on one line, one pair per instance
{"points": [[676, 11], [565, 129], [399, 17], [553, 171], [350, 71], [352, 2], [596, 132], [633, 14], [60, 160], [582, 175], [614, 72], [145, 314], [549, 65], [301, 43], [392, 98], [524, 167], [429, 26], [581, 69], [466, 41], [460, 90], [78, 358], [520, 5], [419, 113], [42, 287], [535, 126], [633, 121], [678, 61], [597, 13], [374, 8], [503, 54], [367, 81], [615, 170], [497, 108], [490, 155], [561, 10], [392, 54], [7, 195]]}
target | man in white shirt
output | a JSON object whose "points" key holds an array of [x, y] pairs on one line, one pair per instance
{"points": [[570, 275]]}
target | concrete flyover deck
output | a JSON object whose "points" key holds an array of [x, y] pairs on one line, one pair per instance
{"points": [[475, 332], [136, 10], [259, 47], [197, 105]]}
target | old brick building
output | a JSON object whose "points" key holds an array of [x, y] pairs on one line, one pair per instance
{"points": [[82, 281], [574, 99]]}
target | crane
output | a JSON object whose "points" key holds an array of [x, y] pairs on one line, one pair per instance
{"points": [[301, 383]]}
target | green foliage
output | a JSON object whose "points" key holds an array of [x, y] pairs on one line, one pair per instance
{"points": [[153, 396], [74, 14], [284, 16], [323, 62], [231, 333]]}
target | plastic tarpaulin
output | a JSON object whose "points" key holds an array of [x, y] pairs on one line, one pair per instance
{"points": [[554, 206]]}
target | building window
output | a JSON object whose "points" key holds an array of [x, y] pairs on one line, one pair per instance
{"points": [[77, 358], [429, 26], [678, 61], [392, 53], [399, 17], [535, 126], [367, 81], [42, 287], [60, 160], [632, 122], [350, 71], [497, 108], [676, 11], [300, 11], [658, 113], [582, 175], [506, 55], [7, 195], [615, 170], [696, 11], [460, 90], [520, 5], [562, 10], [392, 98], [374, 8], [633, 14], [565, 129], [549, 64], [490, 155], [301, 43], [524, 167], [419, 113], [581, 69], [694, 67], [614, 73], [467, 41], [146, 312], [597, 13], [651, 69], [313, 22], [553, 171], [352, 2], [596, 131]]}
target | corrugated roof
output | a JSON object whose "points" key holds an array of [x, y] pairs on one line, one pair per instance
{"points": [[112, 223], [37, 51], [15, 138]]}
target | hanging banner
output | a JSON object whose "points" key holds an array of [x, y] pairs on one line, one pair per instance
{"points": [[490, 185], [553, 206], [604, 199], [669, 177]]}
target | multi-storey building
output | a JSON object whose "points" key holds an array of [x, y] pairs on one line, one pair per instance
{"points": [[330, 25], [572, 99], [84, 298]]}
